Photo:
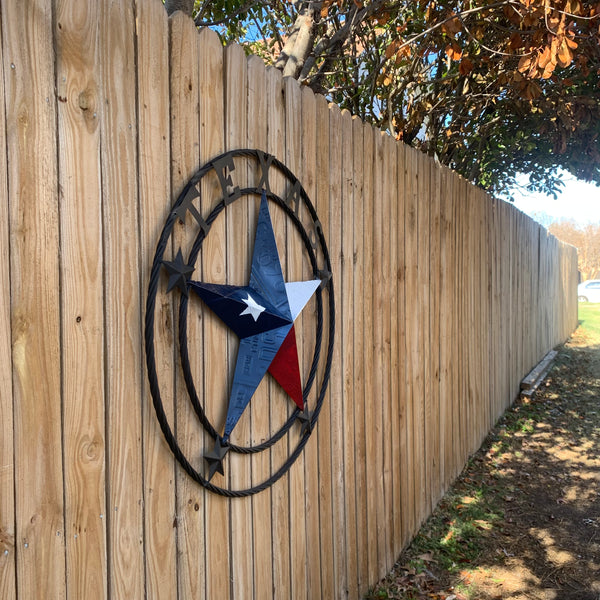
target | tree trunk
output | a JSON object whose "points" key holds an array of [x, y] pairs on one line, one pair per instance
{"points": [[298, 45], [185, 6]]}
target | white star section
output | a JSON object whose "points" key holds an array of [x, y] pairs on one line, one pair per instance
{"points": [[253, 309], [299, 293]]}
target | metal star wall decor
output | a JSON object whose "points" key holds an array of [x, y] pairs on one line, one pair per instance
{"points": [[261, 314]]}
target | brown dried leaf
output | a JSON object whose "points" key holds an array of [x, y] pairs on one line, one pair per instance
{"points": [[548, 70], [427, 557], [325, 8], [565, 55], [573, 7], [525, 63], [453, 51], [532, 92], [402, 53], [466, 66], [545, 57], [452, 26], [392, 49], [516, 41]]}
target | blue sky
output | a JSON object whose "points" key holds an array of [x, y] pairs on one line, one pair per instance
{"points": [[579, 201]]}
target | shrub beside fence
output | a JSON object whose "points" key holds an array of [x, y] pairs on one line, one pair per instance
{"points": [[445, 299]]}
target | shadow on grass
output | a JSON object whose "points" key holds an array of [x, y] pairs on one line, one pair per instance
{"points": [[523, 520]]}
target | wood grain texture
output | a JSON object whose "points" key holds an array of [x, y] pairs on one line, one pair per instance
{"points": [[33, 219], [7, 466], [311, 450], [239, 246], [154, 153], [435, 490], [78, 83], [191, 507], [358, 372], [424, 413], [294, 265], [378, 376], [347, 345], [322, 201], [335, 382], [262, 544], [278, 399], [387, 173], [122, 299], [403, 499], [396, 337], [368, 316], [414, 432]]}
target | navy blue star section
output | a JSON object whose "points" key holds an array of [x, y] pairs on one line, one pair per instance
{"points": [[230, 302]]}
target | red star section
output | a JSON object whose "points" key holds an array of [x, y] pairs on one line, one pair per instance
{"points": [[286, 370]]}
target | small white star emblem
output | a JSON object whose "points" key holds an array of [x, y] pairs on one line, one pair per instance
{"points": [[253, 309]]}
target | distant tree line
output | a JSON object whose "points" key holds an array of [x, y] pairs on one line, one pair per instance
{"points": [[586, 238]]}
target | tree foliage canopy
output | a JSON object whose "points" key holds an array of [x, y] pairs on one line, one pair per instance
{"points": [[488, 88]]}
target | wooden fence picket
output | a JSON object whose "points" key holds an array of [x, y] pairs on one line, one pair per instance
{"points": [[32, 264], [7, 458]]}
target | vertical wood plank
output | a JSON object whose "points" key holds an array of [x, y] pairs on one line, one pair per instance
{"points": [[388, 292], [322, 200], [311, 450], [370, 437], [79, 88], [412, 336], [122, 302], [260, 462], [421, 341], [395, 335], [294, 263], [434, 447], [346, 295], [378, 374], [471, 262], [154, 153], [446, 324], [239, 257], [33, 217], [425, 412], [7, 471], [335, 382], [208, 515], [279, 402], [184, 62], [461, 292], [358, 165], [402, 500]]}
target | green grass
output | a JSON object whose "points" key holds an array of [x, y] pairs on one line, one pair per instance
{"points": [[589, 320]]}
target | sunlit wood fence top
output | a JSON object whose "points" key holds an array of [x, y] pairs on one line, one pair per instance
{"points": [[445, 299]]}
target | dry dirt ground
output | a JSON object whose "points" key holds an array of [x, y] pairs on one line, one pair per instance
{"points": [[523, 520]]}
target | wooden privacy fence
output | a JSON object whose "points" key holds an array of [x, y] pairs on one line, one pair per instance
{"points": [[445, 298]]}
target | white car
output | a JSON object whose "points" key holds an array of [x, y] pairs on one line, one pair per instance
{"points": [[589, 291]]}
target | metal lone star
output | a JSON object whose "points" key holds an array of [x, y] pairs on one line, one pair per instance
{"points": [[267, 343]]}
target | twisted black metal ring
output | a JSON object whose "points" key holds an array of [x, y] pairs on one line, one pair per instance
{"points": [[149, 325]]}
